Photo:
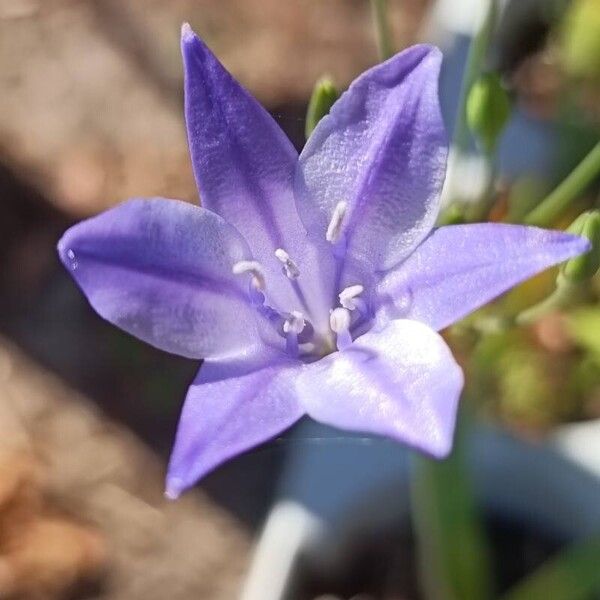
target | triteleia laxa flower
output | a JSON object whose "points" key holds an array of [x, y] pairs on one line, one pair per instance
{"points": [[309, 284]]}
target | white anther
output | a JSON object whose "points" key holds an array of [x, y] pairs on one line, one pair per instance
{"points": [[335, 225], [349, 297], [339, 320], [289, 266], [254, 268], [294, 323]]}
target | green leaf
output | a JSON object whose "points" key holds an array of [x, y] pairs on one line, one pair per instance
{"points": [[322, 99], [453, 551], [572, 575], [488, 109]]}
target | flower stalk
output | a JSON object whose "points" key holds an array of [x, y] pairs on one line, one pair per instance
{"points": [[475, 61], [478, 50], [569, 190], [446, 518]]}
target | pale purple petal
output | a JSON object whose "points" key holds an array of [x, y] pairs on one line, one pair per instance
{"points": [[382, 150], [244, 166], [459, 268], [226, 414], [401, 382], [162, 271]]}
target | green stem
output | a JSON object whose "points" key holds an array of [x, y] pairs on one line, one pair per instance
{"points": [[382, 29], [475, 59], [567, 191], [453, 553]]}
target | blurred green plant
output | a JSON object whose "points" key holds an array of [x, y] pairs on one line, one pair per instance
{"points": [[547, 211], [383, 31], [580, 40]]}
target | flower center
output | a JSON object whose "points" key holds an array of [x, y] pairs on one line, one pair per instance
{"points": [[298, 336]]}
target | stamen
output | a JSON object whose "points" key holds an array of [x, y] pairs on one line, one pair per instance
{"points": [[290, 268], [339, 321], [294, 323], [335, 225], [349, 297], [292, 326], [254, 268]]}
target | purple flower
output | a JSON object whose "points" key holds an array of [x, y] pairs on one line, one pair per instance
{"points": [[309, 285]]}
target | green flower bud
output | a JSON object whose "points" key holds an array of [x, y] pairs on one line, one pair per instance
{"points": [[584, 266], [322, 99], [488, 110]]}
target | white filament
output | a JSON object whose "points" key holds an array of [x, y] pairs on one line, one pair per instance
{"points": [[349, 297], [254, 268], [289, 266], [335, 225]]}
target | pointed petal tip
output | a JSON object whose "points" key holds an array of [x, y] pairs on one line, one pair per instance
{"points": [[441, 449], [174, 488], [581, 244], [187, 33], [65, 250]]}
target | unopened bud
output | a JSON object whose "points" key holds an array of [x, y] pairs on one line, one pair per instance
{"points": [[586, 265], [488, 110], [322, 99]]}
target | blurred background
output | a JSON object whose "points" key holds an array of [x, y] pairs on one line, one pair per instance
{"points": [[91, 114]]}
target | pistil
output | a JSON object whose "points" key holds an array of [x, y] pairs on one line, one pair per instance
{"points": [[292, 327]]}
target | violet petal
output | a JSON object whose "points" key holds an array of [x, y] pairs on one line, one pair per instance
{"points": [[459, 268], [244, 166], [381, 150], [401, 382], [226, 414], [162, 271]]}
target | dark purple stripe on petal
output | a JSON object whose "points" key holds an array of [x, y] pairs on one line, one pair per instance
{"points": [[382, 150]]}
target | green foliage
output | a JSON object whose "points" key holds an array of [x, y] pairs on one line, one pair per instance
{"points": [[322, 99], [488, 109]]}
